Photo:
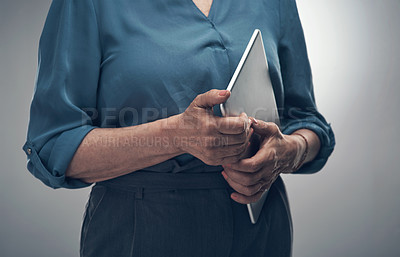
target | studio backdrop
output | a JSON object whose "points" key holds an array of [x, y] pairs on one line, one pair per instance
{"points": [[350, 208]]}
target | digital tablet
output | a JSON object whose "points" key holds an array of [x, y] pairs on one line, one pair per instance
{"points": [[252, 93]]}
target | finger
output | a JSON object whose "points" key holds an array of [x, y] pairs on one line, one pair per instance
{"points": [[238, 139], [230, 159], [249, 139], [245, 178], [266, 129], [211, 98], [233, 125], [230, 151], [244, 190], [263, 158], [252, 164], [231, 139], [243, 199]]}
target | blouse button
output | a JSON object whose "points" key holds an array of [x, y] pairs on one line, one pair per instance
{"points": [[29, 151]]}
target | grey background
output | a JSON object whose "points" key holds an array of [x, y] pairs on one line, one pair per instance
{"points": [[350, 208]]}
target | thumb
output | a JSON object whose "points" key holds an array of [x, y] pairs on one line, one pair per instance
{"points": [[211, 98], [263, 128]]}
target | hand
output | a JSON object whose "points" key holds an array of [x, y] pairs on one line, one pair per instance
{"points": [[214, 140], [278, 154]]}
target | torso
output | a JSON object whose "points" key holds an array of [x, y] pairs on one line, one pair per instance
{"points": [[158, 55]]}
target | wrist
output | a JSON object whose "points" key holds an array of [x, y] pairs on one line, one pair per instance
{"points": [[171, 128], [302, 150]]}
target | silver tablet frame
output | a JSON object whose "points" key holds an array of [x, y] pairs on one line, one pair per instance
{"points": [[252, 75]]}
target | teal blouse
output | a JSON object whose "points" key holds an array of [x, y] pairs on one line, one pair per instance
{"points": [[123, 63]]}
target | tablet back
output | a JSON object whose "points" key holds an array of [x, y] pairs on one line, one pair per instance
{"points": [[252, 93], [250, 85]]}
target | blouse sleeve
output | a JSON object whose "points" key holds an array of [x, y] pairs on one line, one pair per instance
{"points": [[64, 98], [300, 110]]}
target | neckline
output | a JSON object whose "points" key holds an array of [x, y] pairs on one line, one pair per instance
{"points": [[210, 13]]}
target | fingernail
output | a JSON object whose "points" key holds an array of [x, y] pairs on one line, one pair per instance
{"points": [[223, 92], [233, 196], [255, 121]]}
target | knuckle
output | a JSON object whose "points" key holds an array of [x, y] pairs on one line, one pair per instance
{"points": [[271, 157], [244, 115], [275, 130], [255, 166], [236, 124], [198, 97], [274, 153], [274, 127]]}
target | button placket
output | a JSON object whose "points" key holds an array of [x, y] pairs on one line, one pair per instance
{"points": [[221, 41]]}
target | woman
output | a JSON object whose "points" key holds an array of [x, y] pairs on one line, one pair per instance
{"points": [[124, 99]]}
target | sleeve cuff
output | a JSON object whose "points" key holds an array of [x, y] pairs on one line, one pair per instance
{"points": [[64, 148], [326, 138]]}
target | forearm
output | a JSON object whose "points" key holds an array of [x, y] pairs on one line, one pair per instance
{"points": [[106, 153]]}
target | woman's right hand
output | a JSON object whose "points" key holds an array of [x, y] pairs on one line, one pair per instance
{"points": [[214, 140]]}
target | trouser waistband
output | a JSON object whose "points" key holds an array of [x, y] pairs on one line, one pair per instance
{"points": [[155, 180]]}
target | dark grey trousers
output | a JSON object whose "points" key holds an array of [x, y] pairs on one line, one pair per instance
{"points": [[124, 221]]}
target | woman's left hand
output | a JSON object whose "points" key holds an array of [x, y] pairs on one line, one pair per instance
{"points": [[278, 153]]}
